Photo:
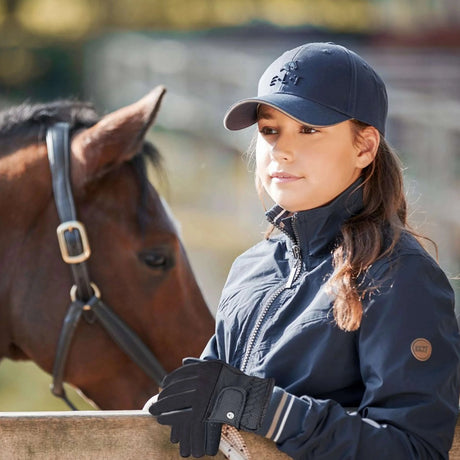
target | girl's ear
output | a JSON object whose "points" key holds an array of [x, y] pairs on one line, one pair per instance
{"points": [[368, 144]]}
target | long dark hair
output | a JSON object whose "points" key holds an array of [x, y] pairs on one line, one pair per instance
{"points": [[369, 235]]}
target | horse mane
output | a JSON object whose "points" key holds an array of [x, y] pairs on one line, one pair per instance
{"points": [[26, 123], [32, 120]]}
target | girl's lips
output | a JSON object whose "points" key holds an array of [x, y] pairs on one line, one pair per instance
{"points": [[281, 177]]}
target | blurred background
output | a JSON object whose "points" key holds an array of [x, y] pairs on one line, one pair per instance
{"points": [[210, 53]]}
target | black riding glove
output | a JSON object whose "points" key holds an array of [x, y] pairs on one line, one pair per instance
{"points": [[200, 396]]}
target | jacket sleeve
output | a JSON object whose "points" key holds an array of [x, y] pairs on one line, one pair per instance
{"points": [[210, 351], [408, 346]]}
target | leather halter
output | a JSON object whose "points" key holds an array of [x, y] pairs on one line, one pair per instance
{"points": [[85, 296]]}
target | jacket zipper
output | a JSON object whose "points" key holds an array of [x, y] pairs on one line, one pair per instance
{"points": [[293, 275]]}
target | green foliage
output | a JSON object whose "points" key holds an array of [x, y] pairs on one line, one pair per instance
{"points": [[24, 387]]}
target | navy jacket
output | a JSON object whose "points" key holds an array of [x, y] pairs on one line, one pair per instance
{"points": [[389, 390]]}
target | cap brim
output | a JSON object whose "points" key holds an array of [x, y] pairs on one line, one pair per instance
{"points": [[244, 113]]}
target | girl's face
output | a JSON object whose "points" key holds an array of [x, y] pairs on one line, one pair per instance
{"points": [[302, 166]]}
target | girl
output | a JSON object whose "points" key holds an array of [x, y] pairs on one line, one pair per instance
{"points": [[335, 337]]}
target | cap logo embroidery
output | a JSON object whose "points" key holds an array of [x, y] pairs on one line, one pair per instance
{"points": [[288, 75], [421, 349]]}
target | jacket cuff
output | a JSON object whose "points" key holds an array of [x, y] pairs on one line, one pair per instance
{"points": [[276, 415]]}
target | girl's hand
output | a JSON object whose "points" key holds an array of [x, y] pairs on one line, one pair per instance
{"points": [[199, 397]]}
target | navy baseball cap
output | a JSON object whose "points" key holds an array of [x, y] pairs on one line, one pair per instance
{"points": [[319, 84]]}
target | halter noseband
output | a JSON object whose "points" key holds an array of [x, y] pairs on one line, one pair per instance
{"points": [[85, 295]]}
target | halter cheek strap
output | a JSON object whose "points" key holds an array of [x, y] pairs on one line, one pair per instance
{"points": [[72, 238], [85, 295]]}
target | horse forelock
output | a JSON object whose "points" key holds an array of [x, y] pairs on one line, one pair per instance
{"points": [[27, 123]]}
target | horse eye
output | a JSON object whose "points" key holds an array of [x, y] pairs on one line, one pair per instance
{"points": [[155, 260]]}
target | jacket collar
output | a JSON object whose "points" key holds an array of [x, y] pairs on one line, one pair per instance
{"points": [[316, 230]]}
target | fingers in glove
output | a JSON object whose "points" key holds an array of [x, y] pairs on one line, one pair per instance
{"points": [[213, 433], [178, 417], [184, 441], [175, 402], [175, 433], [184, 372], [192, 370], [198, 438], [181, 386]]}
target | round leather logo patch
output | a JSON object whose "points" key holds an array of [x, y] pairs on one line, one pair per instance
{"points": [[421, 349]]}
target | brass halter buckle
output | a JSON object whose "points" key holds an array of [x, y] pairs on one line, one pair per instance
{"points": [[70, 226]]}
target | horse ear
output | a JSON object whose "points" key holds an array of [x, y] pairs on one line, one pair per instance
{"points": [[116, 138]]}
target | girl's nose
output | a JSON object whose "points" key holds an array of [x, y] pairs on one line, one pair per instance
{"points": [[282, 149]]}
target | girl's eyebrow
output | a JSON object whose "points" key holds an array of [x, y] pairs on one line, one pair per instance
{"points": [[264, 115]]}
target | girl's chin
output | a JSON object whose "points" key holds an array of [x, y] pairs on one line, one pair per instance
{"points": [[289, 201], [297, 207]]}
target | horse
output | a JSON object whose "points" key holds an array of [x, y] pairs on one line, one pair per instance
{"points": [[137, 258]]}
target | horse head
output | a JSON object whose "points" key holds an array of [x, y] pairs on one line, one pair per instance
{"points": [[137, 259]]}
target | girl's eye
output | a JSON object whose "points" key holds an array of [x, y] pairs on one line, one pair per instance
{"points": [[308, 130], [266, 130]]}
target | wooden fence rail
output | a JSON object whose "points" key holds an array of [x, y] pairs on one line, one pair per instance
{"points": [[114, 435]]}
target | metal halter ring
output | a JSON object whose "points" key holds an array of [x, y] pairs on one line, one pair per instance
{"points": [[73, 294]]}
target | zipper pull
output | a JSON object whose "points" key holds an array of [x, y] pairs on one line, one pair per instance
{"points": [[296, 251], [292, 274]]}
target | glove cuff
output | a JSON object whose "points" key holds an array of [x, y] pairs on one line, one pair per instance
{"points": [[257, 402], [229, 406], [243, 407]]}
